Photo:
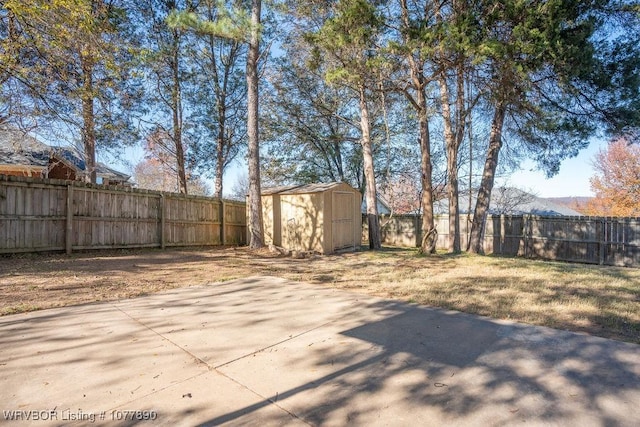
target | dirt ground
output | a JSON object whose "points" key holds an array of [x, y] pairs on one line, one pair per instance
{"points": [[603, 301], [39, 281]]}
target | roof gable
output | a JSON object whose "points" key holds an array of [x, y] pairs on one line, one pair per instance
{"points": [[71, 157]]}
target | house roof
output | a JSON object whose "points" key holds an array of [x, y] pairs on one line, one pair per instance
{"points": [[382, 205], [104, 171], [301, 189], [75, 159], [509, 201], [17, 147], [72, 157]]}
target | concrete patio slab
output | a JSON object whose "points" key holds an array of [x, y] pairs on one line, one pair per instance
{"points": [[266, 351], [203, 320]]}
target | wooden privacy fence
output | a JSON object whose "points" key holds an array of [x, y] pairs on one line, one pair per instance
{"points": [[592, 240], [55, 215]]}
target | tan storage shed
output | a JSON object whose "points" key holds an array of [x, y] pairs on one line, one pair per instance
{"points": [[322, 218]]}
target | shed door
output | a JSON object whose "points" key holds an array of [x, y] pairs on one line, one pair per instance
{"points": [[343, 221]]}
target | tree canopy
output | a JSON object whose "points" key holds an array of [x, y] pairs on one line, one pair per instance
{"points": [[424, 99], [70, 66], [616, 183]]}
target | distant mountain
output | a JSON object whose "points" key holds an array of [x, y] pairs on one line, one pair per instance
{"points": [[576, 203]]}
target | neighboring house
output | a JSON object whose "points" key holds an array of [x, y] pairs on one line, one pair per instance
{"points": [[383, 206], [23, 155], [579, 204], [509, 201]]}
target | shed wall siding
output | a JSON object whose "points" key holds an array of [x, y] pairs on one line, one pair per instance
{"points": [[320, 221], [343, 220], [302, 221], [271, 220]]}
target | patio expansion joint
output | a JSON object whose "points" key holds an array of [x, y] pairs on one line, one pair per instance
{"points": [[198, 360], [274, 399], [289, 338], [216, 368], [270, 400]]}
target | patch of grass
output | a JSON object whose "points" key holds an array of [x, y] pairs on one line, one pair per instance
{"points": [[603, 301], [19, 308], [225, 278]]}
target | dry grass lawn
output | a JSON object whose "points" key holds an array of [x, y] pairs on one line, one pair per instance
{"points": [[603, 301]]}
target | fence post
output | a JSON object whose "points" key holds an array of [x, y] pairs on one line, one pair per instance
{"points": [[223, 223], [526, 220], [602, 239], [69, 226], [502, 233], [163, 214]]}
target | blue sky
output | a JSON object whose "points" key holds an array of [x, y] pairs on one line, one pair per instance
{"points": [[572, 180]]}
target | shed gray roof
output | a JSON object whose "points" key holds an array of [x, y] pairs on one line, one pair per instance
{"points": [[300, 189]]}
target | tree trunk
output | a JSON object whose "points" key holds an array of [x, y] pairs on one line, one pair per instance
{"points": [[221, 142], [88, 119], [486, 186], [454, 208], [221, 101], [370, 178], [452, 145], [219, 164], [255, 201], [453, 127], [338, 161], [429, 232], [176, 107]]}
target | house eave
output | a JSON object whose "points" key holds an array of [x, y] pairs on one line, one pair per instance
{"points": [[22, 168]]}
